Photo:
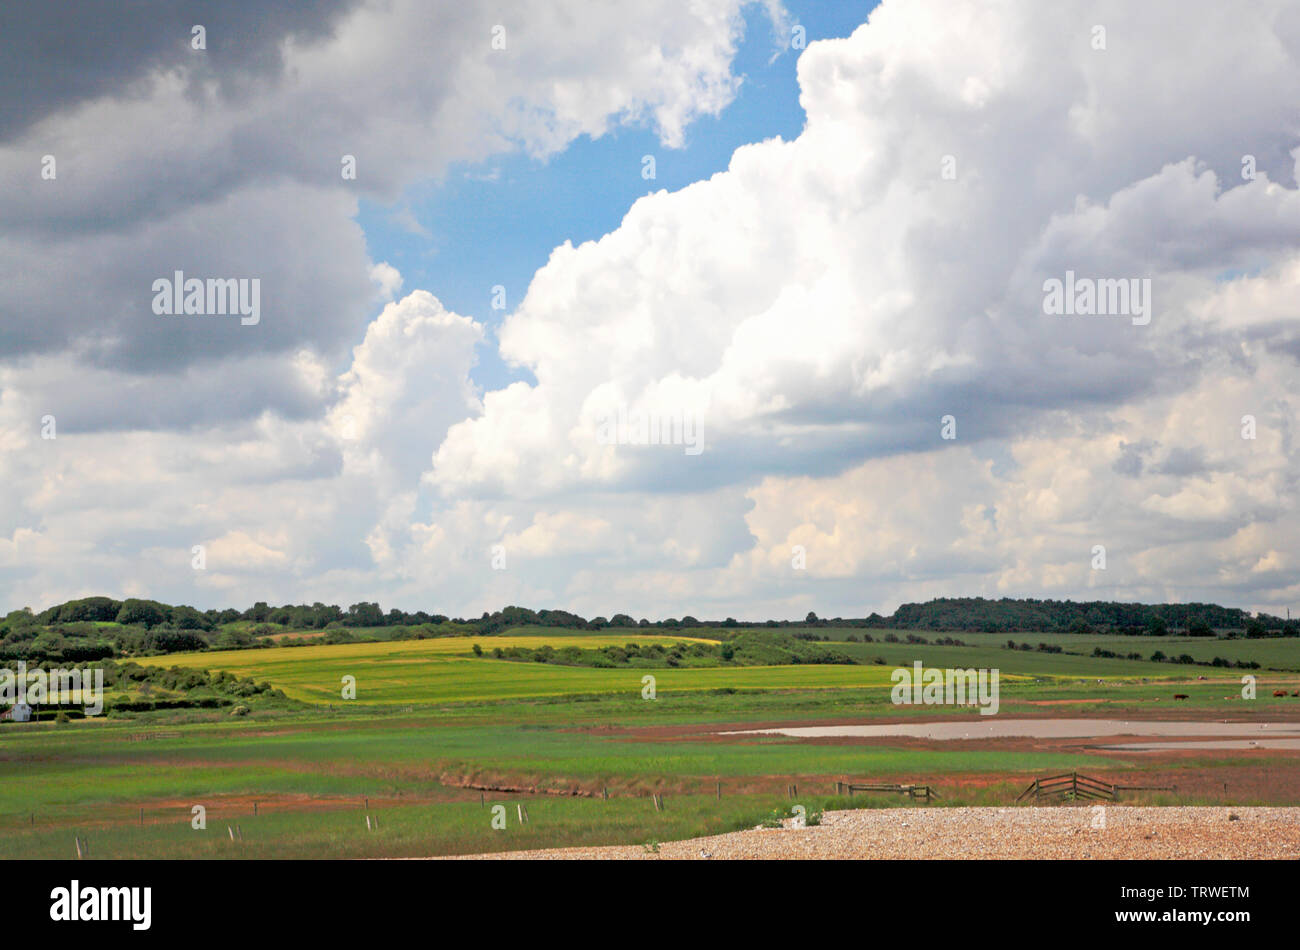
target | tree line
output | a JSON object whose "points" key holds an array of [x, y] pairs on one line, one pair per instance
{"points": [[70, 631]]}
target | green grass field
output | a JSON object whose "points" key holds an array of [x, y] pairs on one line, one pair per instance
{"points": [[1275, 653], [91, 781], [435, 671], [446, 670], [437, 734]]}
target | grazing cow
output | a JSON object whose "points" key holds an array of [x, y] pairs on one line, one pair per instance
{"points": [[1180, 695], [1279, 692]]}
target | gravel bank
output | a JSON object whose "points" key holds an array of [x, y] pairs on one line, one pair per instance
{"points": [[1061, 832]]}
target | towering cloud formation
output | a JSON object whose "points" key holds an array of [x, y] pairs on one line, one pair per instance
{"points": [[829, 298], [826, 302]]}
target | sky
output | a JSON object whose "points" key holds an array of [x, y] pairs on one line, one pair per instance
{"points": [[495, 222], [725, 308]]}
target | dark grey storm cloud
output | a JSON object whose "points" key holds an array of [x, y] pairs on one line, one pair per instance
{"points": [[55, 54], [1131, 457], [96, 294]]}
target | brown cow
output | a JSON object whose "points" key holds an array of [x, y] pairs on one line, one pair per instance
{"points": [[1279, 692], [1180, 695]]}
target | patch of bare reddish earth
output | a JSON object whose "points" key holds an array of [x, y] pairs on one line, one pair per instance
{"points": [[1080, 832]]}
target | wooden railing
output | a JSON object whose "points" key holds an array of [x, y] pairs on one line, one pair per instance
{"points": [[1068, 785], [912, 791], [1075, 785]]}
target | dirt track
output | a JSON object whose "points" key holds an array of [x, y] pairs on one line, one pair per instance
{"points": [[974, 833]]}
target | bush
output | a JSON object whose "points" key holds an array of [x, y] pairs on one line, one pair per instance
{"points": [[147, 613], [174, 641]]}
